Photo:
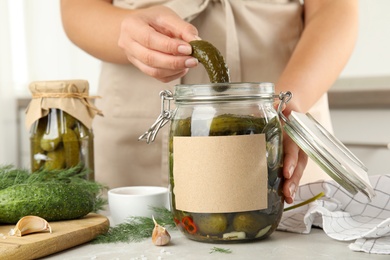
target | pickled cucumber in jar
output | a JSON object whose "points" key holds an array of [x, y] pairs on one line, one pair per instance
{"points": [[52, 135], [55, 160], [37, 153], [211, 223], [60, 141], [230, 226], [71, 148]]}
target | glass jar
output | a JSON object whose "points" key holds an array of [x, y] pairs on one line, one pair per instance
{"points": [[226, 156], [60, 117]]}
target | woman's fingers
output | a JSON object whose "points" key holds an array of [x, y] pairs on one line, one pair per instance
{"points": [[159, 60], [295, 161], [136, 29], [155, 41], [159, 65]]}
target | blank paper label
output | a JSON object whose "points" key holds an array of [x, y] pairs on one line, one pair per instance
{"points": [[220, 174]]}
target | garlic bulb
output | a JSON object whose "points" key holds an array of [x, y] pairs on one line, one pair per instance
{"points": [[30, 224], [160, 236]]}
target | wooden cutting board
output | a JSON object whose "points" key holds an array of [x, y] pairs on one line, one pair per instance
{"points": [[65, 234]]}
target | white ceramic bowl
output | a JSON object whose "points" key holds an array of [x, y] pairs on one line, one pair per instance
{"points": [[125, 202]]}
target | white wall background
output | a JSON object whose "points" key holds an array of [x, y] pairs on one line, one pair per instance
{"points": [[45, 51], [368, 69], [33, 47], [372, 53]]}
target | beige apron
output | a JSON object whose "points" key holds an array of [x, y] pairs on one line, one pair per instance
{"points": [[260, 36]]}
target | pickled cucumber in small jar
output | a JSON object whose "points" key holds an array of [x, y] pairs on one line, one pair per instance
{"points": [[59, 141], [60, 117]]}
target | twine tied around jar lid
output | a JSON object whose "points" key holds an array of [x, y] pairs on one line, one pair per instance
{"points": [[71, 96]]}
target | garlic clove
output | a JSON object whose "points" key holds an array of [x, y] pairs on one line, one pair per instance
{"points": [[30, 224], [263, 231], [234, 235], [160, 236]]}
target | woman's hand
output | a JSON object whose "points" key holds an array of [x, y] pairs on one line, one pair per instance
{"points": [[294, 162], [155, 40]]}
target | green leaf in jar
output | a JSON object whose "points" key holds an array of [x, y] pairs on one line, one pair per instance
{"points": [[319, 195]]}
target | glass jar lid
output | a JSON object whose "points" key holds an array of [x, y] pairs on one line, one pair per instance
{"points": [[328, 152]]}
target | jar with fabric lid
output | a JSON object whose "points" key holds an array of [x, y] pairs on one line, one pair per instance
{"points": [[60, 118], [226, 159]]}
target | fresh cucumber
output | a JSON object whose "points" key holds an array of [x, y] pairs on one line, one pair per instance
{"points": [[53, 200]]}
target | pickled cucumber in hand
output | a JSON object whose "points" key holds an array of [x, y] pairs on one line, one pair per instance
{"points": [[211, 224], [213, 62]]}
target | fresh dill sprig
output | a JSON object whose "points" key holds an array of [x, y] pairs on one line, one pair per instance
{"points": [[220, 250], [163, 216], [10, 176], [74, 174], [136, 229]]}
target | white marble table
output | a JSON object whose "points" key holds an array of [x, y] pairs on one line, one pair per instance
{"points": [[281, 245]]}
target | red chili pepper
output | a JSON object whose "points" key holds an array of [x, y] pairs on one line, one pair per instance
{"points": [[176, 221], [189, 225]]}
